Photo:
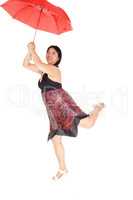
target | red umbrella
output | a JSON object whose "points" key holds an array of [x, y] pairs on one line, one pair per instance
{"points": [[39, 14]]}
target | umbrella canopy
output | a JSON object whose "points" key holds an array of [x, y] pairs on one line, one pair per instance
{"points": [[39, 14]]}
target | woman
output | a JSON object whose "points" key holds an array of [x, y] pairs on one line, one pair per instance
{"points": [[63, 112]]}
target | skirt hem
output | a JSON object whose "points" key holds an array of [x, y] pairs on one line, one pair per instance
{"points": [[71, 132]]}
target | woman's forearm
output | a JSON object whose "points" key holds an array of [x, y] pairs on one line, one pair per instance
{"points": [[36, 59], [27, 59]]}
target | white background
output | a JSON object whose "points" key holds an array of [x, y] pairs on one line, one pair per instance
{"points": [[96, 66]]}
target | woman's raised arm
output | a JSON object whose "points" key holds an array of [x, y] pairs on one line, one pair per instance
{"points": [[30, 66]]}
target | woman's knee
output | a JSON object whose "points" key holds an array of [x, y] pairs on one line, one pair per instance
{"points": [[56, 139], [87, 123]]}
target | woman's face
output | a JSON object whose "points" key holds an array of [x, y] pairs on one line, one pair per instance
{"points": [[52, 56]]}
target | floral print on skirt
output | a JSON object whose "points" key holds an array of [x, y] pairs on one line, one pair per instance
{"points": [[63, 113]]}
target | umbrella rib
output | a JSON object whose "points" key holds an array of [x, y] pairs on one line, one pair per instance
{"points": [[38, 21], [55, 21], [21, 10]]}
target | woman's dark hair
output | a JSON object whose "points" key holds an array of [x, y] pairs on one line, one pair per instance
{"points": [[58, 50]]}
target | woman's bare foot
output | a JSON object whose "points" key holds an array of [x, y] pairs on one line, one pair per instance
{"points": [[98, 107], [59, 174]]}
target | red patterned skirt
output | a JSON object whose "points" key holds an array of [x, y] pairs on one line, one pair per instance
{"points": [[63, 113]]}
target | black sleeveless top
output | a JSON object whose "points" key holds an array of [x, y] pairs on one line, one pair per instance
{"points": [[47, 84]]}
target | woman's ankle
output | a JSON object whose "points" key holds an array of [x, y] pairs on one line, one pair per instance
{"points": [[63, 168]]}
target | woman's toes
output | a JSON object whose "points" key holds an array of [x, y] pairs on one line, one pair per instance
{"points": [[102, 105], [59, 174], [99, 106]]}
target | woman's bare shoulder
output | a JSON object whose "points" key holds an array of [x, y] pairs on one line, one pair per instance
{"points": [[57, 76]]}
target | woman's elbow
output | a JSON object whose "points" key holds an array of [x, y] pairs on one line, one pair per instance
{"points": [[25, 64]]}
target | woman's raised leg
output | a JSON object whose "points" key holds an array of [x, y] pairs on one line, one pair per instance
{"points": [[89, 121]]}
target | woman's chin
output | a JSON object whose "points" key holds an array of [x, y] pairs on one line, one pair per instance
{"points": [[50, 63]]}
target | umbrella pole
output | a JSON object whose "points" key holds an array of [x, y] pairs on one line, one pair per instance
{"points": [[38, 21], [34, 35]]}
